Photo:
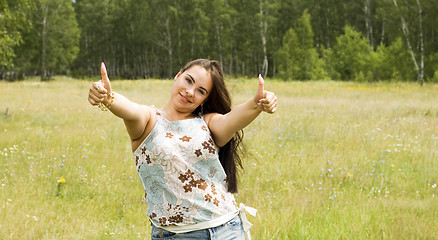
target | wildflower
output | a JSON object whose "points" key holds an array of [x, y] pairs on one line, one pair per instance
{"points": [[392, 165], [61, 180], [349, 175], [434, 185]]}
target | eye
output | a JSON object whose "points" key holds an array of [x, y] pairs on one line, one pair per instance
{"points": [[188, 80], [201, 91]]}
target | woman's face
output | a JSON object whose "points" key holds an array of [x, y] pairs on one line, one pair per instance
{"points": [[191, 88]]}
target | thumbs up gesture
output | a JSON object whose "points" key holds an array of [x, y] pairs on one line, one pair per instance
{"points": [[105, 80], [265, 100], [101, 92]]}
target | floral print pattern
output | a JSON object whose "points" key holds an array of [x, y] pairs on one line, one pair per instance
{"points": [[182, 176]]}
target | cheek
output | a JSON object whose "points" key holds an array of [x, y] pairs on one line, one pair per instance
{"points": [[177, 87], [201, 98]]}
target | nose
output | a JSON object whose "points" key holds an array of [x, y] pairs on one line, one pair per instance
{"points": [[190, 91]]}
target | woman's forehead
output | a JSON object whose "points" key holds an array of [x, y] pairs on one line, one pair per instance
{"points": [[200, 76]]}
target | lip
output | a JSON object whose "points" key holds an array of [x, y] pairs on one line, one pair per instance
{"points": [[184, 99]]}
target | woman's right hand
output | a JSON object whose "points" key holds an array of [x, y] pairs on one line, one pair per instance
{"points": [[97, 93], [100, 90]]}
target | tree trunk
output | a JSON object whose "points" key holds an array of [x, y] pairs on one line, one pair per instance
{"points": [[327, 25], [405, 31], [44, 43], [263, 33], [420, 22], [169, 47], [218, 36], [368, 24]]}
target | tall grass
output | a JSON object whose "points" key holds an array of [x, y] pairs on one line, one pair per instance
{"points": [[337, 161]]}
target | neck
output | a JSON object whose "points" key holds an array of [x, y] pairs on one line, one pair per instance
{"points": [[173, 114]]}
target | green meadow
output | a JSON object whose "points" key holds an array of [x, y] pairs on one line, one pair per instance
{"points": [[339, 160]]}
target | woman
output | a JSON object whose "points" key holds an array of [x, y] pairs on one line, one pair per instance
{"points": [[185, 152]]}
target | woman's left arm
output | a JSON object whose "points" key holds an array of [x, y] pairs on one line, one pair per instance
{"points": [[224, 126]]}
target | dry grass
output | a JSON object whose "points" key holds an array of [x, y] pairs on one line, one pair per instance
{"points": [[338, 161]]}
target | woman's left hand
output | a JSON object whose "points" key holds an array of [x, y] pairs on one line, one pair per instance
{"points": [[266, 101]]}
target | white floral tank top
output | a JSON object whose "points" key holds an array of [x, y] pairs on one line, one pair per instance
{"points": [[179, 167]]}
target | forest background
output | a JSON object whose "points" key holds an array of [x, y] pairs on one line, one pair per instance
{"points": [[351, 40]]}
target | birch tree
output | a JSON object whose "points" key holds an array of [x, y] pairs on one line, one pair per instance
{"points": [[405, 29], [266, 17], [368, 22]]}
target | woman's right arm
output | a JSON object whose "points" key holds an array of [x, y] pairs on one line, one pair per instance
{"points": [[135, 116]]}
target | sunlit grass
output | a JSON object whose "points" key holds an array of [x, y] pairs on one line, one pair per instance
{"points": [[338, 161]]}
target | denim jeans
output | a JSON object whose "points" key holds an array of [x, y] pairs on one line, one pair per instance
{"points": [[232, 230]]}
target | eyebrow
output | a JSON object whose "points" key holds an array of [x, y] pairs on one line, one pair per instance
{"points": [[195, 81]]}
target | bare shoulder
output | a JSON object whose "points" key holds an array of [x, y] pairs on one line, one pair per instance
{"points": [[143, 130], [211, 116], [136, 114], [217, 126], [149, 112]]}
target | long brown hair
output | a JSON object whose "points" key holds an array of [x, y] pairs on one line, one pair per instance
{"points": [[219, 101]]}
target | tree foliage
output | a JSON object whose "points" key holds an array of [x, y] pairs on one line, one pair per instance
{"points": [[12, 23], [393, 62], [351, 57], [52, 43], [363, 40], [298, 58]]}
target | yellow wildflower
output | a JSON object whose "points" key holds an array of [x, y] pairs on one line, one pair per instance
{"points": [[349, 175], [61, 180]]}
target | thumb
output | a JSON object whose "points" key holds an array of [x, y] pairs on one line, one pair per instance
{"points": [[105, 79], [261, 89]]}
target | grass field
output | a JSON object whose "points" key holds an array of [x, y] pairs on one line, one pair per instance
{"points": [[338, 161]]}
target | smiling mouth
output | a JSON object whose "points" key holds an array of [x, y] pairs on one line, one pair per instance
{"points": [[184, 99]]}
